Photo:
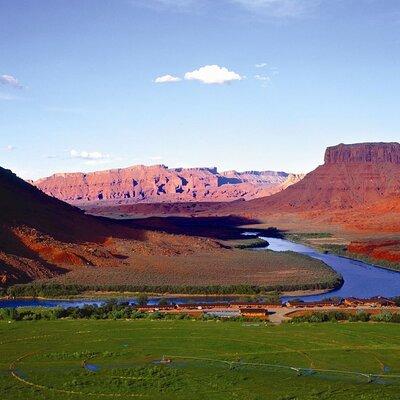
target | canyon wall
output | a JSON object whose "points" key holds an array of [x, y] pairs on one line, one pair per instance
{"points": [[159, 183]]}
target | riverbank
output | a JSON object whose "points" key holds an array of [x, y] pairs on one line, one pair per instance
{"points": [[327, 242], [359, 279], [302, 293]]}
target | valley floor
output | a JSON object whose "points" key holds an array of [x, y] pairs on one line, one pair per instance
{"points": [[147, 359]]}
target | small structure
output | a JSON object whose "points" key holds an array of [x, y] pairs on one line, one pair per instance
{"points": [[377, 301], [260, 306], [314, 304], [165, 360], [202, 306], [251, 312], [295, 303]]}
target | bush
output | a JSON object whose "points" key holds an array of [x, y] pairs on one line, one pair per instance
{"points": [[163, 302], [142, 299], [387, 317], [333, 316], [360, 316]]}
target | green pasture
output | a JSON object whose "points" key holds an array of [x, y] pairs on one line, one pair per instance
{"points": [[87, 359]]}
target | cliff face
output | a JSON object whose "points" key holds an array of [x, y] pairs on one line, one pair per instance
{"points": [[352, 176], [161, 184], [363, 153]]}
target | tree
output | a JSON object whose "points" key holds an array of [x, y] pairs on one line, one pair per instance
{"points": [[142, 299], [163, 301]]}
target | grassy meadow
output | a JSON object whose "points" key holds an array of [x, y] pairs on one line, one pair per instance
{"points": [[85, 359]]}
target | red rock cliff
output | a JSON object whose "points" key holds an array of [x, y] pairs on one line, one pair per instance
{"points": [[159, 183], [363, 153], [352, 175]]}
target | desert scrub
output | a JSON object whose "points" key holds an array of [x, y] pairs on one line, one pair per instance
{"points": [[336, 316], [300, 237]]}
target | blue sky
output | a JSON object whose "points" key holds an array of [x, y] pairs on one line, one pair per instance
{"points": [[242, 84]]}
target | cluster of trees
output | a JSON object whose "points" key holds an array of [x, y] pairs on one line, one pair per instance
{"points": [[54, 290], [360, 316], [111, 310], [300, 237], [43, 290], [251, 244]]}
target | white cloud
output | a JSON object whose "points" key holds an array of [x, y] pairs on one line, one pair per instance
{"points": [[262, 78], [10, 80], [89, 155], [7, 97], [156, 158], [176, 3], [170, 5], [261, 65], [167, 79], [280, 8], [271, 8], [274, 71], [9, 147], [213, 74], [210, 74]]}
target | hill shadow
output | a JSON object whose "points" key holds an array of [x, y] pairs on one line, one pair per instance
{"points": [[222, 228], [16, 261]]}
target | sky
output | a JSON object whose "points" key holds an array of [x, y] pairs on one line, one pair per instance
{"points": [[237, 84]]}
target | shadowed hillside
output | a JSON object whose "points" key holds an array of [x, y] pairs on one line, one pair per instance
{"points": [[22, 204], [41, 236]]}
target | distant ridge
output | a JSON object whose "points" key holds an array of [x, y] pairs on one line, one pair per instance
{"points": [[160, 184]]}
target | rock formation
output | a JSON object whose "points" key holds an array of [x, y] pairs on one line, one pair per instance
{"points": [[159, 183], [375, 153], [352, 176]]}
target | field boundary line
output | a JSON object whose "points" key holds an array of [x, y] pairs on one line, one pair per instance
{"points": [[365, 374], [15, 375]]}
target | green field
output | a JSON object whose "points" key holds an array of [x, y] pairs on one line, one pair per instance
{"points": [[210, 360]]}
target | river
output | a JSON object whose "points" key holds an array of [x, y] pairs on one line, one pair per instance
{"points": [[360, 279], [28, 302]]}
